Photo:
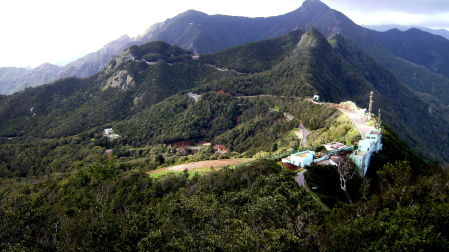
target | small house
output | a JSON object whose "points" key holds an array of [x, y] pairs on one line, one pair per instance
{"points": [[316, 97]]}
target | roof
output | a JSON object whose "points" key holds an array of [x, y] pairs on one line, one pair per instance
{"points": [[374, 132], [303, 155], [335, 146]]}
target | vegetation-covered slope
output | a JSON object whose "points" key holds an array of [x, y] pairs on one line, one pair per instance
{"points": [[419, 47], [303, 64], [255, 207]]}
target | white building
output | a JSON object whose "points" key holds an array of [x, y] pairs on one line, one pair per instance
{"points": [[109, 133], [300, 159], [371, 144]]}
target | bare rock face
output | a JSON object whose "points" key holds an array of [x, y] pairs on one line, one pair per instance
{"points": [[120, 80], [129, 80]]}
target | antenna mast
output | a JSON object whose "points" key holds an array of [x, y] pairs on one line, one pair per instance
{"points": [[380, 122], [370, 111]]}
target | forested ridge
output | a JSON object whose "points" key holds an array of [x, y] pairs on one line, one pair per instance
{"points": [[299, 65]]}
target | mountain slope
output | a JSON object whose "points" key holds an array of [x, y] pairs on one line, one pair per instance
{"points": [[345, 72], [70, 106], [420, 47], [307, 64]]}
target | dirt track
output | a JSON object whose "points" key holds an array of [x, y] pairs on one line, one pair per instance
{"points": [[200, 164]]}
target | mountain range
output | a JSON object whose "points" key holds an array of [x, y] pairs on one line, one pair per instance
{"points": [[203, 33], [382, 28]]}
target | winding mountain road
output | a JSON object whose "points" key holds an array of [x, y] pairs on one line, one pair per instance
{"points": [[305, 133], [300, 178]]}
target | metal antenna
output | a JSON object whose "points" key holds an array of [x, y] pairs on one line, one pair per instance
{"points": [[370, 111], [380, 121]]}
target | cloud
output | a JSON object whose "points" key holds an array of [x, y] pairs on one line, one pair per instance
{"points": [[410, 6], [431, 13]]}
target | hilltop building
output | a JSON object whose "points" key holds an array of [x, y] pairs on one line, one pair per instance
{"points": [[371, 144], [316, 97]]}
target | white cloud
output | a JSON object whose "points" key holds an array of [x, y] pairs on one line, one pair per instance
{"points": [[409, 6]]}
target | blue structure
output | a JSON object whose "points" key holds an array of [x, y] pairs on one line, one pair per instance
{"points": [[371, 144]]}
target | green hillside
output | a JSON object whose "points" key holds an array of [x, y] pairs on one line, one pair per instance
{"points": [[260, 206], [300, 65], [419, 47]]}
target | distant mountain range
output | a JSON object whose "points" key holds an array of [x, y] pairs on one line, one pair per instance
{"points": [[419, 47], [203, 33], [382, 28]]}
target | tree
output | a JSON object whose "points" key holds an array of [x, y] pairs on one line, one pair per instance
{"points": [[159, 159], [347, 171], [274, 147], [395, 181]]}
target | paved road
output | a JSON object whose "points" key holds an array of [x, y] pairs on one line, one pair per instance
{"points": [[304, 135], [300, 178], [289, 116], [302, 183], [357, 121]]}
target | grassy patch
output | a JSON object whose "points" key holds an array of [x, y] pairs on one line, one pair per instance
{"points": [[318, 198], [203, 170], [167, 172], [163, 173]]}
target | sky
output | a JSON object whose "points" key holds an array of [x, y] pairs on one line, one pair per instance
{"points": [[34, 32]]}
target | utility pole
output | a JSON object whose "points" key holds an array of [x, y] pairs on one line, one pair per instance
{"points": [[370, 111]]}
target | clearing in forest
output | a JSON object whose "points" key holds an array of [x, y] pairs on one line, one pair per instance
{"points": [[202, 164]]}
